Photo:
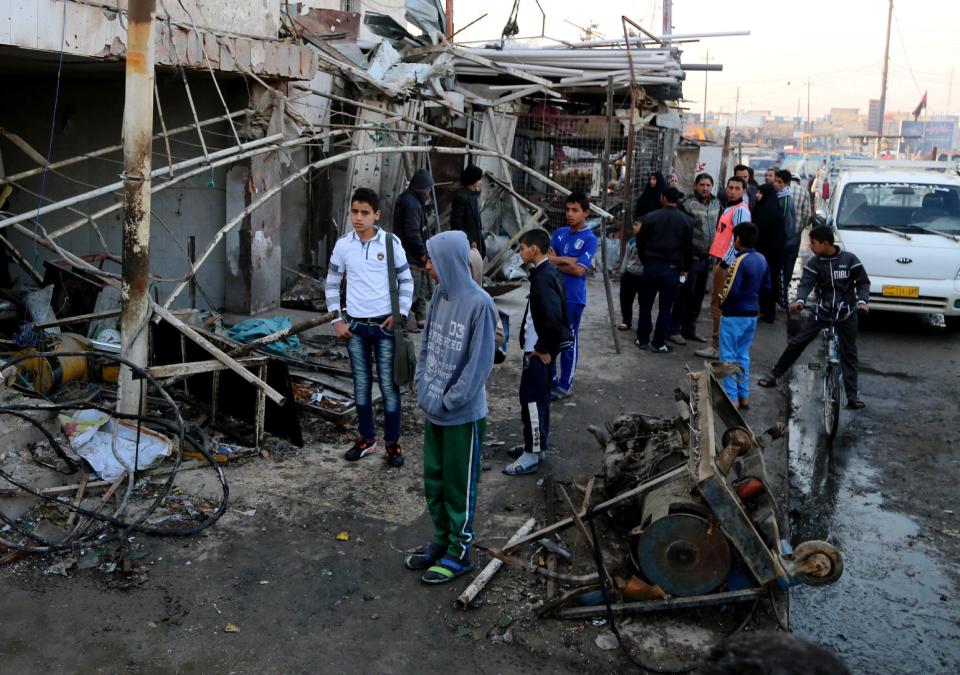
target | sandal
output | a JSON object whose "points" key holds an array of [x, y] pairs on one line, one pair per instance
{"points": [[518, 469], [768, 382], [422, 557], [446, 569], [855, 404]]}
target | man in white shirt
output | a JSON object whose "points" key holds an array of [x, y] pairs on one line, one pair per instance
{"points": [[367, 323]]}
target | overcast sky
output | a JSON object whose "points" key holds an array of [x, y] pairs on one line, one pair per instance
{"points": [[837, 44]]}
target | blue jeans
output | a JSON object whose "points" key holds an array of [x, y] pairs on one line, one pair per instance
{"points": [[736, 336], [659, 278], [567, 359], [370, 340]]}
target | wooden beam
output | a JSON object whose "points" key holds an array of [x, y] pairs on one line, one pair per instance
{"points": [[198, 367], [219, 354]]}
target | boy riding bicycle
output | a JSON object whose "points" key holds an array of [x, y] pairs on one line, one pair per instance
{"points": [[842, 290]]}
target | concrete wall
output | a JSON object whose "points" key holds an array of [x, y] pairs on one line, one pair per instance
{"points": [[88, 117]]}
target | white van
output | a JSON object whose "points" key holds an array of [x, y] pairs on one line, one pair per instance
{"points": [[902, 219]]}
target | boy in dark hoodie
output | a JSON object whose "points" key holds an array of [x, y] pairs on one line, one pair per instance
{"points": [[410, 224], [842, 292], [456, 357], [544, 332], [748, 278]]}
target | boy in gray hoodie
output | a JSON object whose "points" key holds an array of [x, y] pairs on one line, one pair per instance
{"points": [[456, 357]]}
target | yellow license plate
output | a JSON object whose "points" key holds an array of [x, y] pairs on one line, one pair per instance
{"points": [[901, 291]]}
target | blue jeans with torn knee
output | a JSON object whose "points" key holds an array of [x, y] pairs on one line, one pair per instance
{"points": [[369, 342]]}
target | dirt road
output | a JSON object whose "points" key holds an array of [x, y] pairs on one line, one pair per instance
{"points": [[303, 601]]}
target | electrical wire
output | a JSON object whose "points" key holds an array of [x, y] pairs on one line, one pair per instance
{"points": [[111, 526], [53, 127], [903, 46]]}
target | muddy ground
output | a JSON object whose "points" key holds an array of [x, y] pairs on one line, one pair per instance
{"points": [[305, 602]]}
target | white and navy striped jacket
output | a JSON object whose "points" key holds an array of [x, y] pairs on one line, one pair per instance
{"points": [[364, 263]]}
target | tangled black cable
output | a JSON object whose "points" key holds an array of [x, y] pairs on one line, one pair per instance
{"points": [[172, 422], [606, 591]]}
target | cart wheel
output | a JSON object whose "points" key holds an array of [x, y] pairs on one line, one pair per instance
{"points": [[817, 563]]}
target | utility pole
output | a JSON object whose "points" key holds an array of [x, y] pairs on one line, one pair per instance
{"points": [[950, 91], [883, 85], [736, 109], [137, 149], [706, 77], [668, 18], [449, 19]]}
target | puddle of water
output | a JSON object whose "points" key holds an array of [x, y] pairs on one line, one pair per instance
{"points": [[894, 610]]}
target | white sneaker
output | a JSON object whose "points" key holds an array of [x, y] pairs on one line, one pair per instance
{"points": [[708, 353]]}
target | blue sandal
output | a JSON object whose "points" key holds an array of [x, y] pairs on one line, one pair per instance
{"points": [[422, 557], [446, 569]]}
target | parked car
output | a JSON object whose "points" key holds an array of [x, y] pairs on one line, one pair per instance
{"points": [[902, 219]]}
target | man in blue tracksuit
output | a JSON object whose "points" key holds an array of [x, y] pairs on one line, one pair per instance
{"points": [[456, 357], [749, 276], [572, 249]]}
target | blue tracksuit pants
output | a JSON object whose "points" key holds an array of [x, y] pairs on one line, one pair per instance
{"points": [[567, 360], [736, 336]]}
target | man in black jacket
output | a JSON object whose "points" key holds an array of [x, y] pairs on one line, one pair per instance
{"points": [[544, 333], [665, 246], [843, 289], [465, 208], [410, 224]]}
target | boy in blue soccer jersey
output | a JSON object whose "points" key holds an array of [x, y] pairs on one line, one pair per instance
{"points": [[572, 249]]}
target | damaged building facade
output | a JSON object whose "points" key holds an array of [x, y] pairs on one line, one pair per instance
{"points": [[248, 97]]}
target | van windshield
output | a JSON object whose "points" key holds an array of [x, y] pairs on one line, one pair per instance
{"points": [[900, 206]]}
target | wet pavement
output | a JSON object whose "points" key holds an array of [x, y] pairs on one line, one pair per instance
{"points": [[882, 493]]}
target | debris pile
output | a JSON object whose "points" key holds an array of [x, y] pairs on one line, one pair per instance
{"points": [[686, 519]]}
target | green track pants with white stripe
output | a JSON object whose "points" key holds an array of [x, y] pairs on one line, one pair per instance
{"points": [[451, 468]]}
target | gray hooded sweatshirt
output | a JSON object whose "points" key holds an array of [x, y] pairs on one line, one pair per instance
{"points": [[458, 343]]}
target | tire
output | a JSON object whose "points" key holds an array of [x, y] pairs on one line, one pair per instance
{"points": [[832, 393]]}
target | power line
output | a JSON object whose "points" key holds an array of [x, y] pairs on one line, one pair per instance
{"points": [[896, 22]]}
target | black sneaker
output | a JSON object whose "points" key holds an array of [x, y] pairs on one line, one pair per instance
{"points": [[394, 456], [662, 349], [362, 448]]}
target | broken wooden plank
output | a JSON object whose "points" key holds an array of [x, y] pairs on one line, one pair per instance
{"points": [[106, 314], [219, 354], [197, 367]]}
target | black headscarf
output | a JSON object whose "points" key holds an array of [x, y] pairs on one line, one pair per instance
{"points": [[649, 199], [768, 217]]}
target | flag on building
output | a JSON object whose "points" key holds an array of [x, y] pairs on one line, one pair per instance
{"points": [[920, 106]]}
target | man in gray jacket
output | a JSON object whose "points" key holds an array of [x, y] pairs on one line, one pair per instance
{"points": [[456, 357]]}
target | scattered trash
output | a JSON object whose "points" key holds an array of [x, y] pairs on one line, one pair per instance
{"points": [[111, 447], [343, 536], [231, 628]]}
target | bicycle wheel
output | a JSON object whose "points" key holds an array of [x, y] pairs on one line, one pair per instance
{"points": [[831, 399]]}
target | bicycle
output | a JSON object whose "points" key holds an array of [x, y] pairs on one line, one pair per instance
{"points": [[831, 377]]}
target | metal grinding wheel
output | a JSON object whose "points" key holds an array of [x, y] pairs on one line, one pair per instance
{"points": [[684, 555]]}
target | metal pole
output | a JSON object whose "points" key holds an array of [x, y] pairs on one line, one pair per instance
{"points": [[706, 78], [192, 256], [883, 85], [449, 19], [137, 148], [668, 17], [631, 146], [604, 202]]}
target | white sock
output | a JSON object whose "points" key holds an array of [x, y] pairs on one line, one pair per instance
{"points": [[528, 459]]}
